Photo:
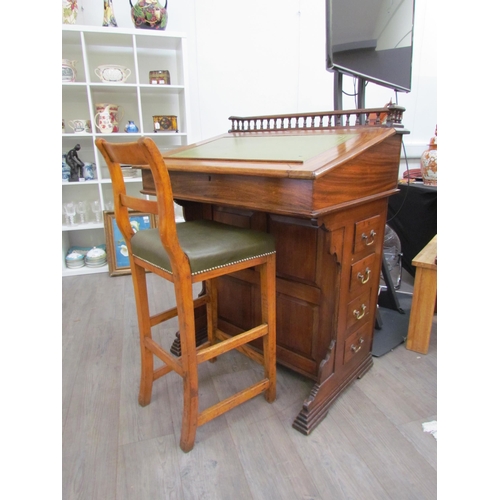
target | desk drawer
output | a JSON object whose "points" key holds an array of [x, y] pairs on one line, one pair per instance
{"points": [[358, 310], [362, 274], [367, 234], [358, 343]]}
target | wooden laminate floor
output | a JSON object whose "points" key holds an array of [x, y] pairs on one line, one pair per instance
{"points": [[370, 445]]}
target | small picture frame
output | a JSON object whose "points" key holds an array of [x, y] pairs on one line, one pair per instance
{"points": [[116, 249]]}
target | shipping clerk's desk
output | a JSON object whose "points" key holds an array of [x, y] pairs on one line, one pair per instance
{"points": [[323, 195]]}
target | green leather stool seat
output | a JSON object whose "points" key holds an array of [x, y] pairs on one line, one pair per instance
{"points": [[207, 244]]}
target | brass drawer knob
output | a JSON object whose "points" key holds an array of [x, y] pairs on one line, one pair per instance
{"points": [[370, 239]]}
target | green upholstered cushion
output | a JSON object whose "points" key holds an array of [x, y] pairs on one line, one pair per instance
{"points": [[207, 244]]}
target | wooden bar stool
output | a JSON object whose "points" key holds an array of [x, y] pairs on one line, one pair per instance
{"points": [[184, 254]]}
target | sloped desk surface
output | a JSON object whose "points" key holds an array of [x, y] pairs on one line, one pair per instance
{"points": [[323, 195], [295, 154], [301, 173]]}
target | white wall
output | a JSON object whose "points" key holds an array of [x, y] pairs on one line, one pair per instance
{"points": [[268, 57]]}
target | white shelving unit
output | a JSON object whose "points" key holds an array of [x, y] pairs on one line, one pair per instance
{"points": [[141, 51]]}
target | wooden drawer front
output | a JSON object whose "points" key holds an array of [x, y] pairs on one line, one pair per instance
{"points": [[362, 274], [367, 234], [358, 343], [358, 310]]}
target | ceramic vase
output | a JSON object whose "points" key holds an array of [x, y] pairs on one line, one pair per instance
{"points": [[149, 14], [131, 127], [69, 11], [109, 14], [428, 162]]}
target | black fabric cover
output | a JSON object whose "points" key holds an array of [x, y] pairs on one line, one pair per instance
{"points": [[412, 213]]}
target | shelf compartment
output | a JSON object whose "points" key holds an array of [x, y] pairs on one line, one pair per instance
{"points": [[125, 99], [109, 48], [153, 105], [75, 104], [88, 237], [160, 53]]}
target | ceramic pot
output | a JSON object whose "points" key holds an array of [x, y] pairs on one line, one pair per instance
{"points": [[112, 73], [149, 14], [428, 163], [114, 112], [131, 127], [68, 70], [69, 11]]}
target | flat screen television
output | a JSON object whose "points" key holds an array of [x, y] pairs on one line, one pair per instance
{"points": [[371, 40]]}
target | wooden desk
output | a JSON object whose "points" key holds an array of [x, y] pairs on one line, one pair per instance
{"points": [[322, 192], [424, 298]]}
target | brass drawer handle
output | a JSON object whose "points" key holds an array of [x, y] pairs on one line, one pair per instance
{"points": [[371, 236], [364, 278], [359, 315], [357, 349]]}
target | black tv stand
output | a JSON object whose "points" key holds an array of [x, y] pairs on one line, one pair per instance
{"points": [[338, 91]]}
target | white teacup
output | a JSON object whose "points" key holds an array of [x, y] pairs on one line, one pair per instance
{"points": [[78, 126]]}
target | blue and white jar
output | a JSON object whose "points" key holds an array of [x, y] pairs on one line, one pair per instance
{"points": [[89, 171], [66, 170]]}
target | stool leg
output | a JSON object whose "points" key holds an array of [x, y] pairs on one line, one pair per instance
{"points": [[211, 290], [143, 318], [268, 306], [185, 309]]}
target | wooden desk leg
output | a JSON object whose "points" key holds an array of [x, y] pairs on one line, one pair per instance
{"points": [[422, 310]]}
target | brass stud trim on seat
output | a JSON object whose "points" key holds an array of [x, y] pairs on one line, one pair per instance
{"points": [[211, 268]]}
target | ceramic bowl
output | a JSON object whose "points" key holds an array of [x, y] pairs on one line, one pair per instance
{"points": [[96, 257], [74, 260], [112, 73]]}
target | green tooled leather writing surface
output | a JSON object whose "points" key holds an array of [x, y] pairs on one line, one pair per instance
{"points": [[288, 148]]}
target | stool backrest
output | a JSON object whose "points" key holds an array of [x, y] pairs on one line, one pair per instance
{"points": [[143, 152]]}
